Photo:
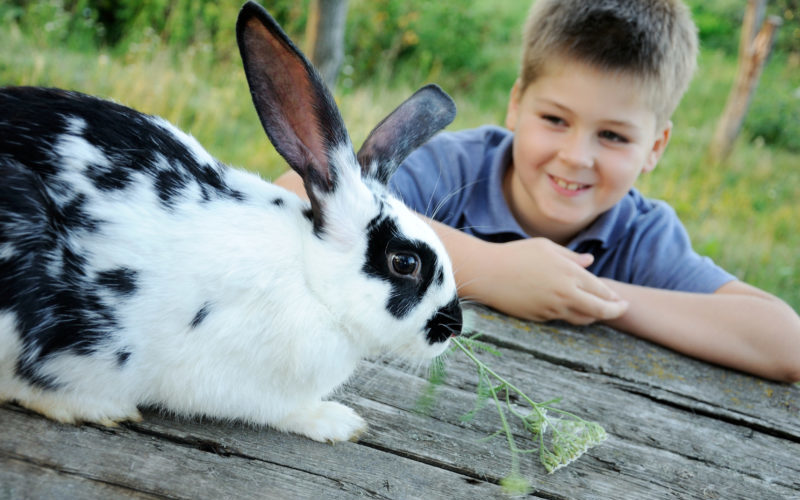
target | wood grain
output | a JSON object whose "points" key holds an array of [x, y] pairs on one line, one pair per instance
{"points": [[678, 428]]}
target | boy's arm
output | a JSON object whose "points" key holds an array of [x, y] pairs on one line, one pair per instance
{"points": [[739, 326], [532, 279]]}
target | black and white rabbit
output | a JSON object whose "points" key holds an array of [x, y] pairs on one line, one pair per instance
{"points": [[137, 270]]}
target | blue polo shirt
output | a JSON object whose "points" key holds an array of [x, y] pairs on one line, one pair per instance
{"points": [[457, 178]]}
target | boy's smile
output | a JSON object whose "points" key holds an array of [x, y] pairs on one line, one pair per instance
{"points": [[582, 137], [566, 187]]}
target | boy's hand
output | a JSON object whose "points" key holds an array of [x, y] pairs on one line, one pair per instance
{"points": [[539, 280]]}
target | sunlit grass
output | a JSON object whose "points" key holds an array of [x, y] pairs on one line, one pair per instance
{"points": [[743, 213]]}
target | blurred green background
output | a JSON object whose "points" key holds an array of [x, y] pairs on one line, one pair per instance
{"points": [[178, 59]]}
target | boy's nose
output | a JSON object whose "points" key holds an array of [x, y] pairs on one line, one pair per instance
{"points": [[577, 151]]}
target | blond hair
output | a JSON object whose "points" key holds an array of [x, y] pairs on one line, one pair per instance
{"points": [[652, 41]]}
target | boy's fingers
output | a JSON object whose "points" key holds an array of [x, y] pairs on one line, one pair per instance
{"points": [[592, 285], [582, 259], [578, 318], [598, 308]]}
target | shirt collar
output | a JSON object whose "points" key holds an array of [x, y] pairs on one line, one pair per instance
{"points": [[609, 226]]}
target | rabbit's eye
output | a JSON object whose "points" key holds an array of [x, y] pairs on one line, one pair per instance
{"points": [[404, 263]]}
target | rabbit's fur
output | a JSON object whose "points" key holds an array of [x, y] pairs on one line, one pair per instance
{"points": [[136, 270]]}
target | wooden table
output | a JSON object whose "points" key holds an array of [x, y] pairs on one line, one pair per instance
{"points": [[677, 428]]}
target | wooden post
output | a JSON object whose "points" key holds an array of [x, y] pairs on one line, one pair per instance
{"points": [[755, 46], [325, 37]]}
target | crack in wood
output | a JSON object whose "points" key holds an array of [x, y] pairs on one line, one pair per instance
{"points": [[727, 416], [39, 464], [470, 477], [209, 446]]}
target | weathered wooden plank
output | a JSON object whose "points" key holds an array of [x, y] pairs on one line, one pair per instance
{"points": [[725, 452], [156, 466], [20, 480], [236, 461], [650, 369], [391, 474], [640, 465]]}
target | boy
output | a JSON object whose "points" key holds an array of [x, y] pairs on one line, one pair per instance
{"points": [[551, 226]]}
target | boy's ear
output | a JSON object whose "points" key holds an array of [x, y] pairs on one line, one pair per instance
{"points": [[513, 105], [660, 144]]}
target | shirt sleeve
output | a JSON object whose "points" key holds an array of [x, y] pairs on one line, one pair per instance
{"points": [[664, 257], [431, 180], [437, 178]]}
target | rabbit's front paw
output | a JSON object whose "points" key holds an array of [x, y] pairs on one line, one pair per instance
{"points": [[327, 422]]}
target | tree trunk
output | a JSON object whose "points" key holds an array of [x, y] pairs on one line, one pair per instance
{"points": [[755, 46], [325, 37]]}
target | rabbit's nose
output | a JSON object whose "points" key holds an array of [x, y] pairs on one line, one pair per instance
{"points": [[445, 323]]}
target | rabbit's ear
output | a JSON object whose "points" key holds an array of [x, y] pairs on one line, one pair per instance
{"points": [[406, 128], [294, 105]]}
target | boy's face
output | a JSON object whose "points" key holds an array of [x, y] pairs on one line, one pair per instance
{"points": [[582, 137]]}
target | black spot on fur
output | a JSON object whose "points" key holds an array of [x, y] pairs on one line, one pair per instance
{"points": [[58, 303], [169, 184], [440, 277], [28, 372], [384, 238], [72, 215], [278, 202], [122, 357], [121, 280], [73, 264], [114, 178], [201, 315], [35, 119]]}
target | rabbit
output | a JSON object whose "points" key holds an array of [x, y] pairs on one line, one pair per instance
{"points": [[138, 271]]}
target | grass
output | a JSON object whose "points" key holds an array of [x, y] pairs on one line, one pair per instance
{"points": [[743, 213]]}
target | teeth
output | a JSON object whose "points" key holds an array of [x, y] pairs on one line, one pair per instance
{"points": [[570, 186]]}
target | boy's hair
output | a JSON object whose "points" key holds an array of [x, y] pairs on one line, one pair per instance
{"points": [[652, 41]]}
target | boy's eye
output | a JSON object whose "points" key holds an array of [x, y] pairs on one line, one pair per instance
{"points": [[554, 120], [613, 137]]}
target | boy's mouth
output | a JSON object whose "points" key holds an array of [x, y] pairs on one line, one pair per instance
{"points": [[569, 186]]}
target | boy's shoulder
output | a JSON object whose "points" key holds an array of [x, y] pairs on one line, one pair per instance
{"points": [[457, 158], [481, 141], [457, 175]]}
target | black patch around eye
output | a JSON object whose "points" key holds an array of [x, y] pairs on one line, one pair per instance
{"points": [[384, 238], [440, 277], [121, 280]]}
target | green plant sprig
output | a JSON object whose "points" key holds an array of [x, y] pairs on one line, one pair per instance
{"points": [[558, 440]]}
